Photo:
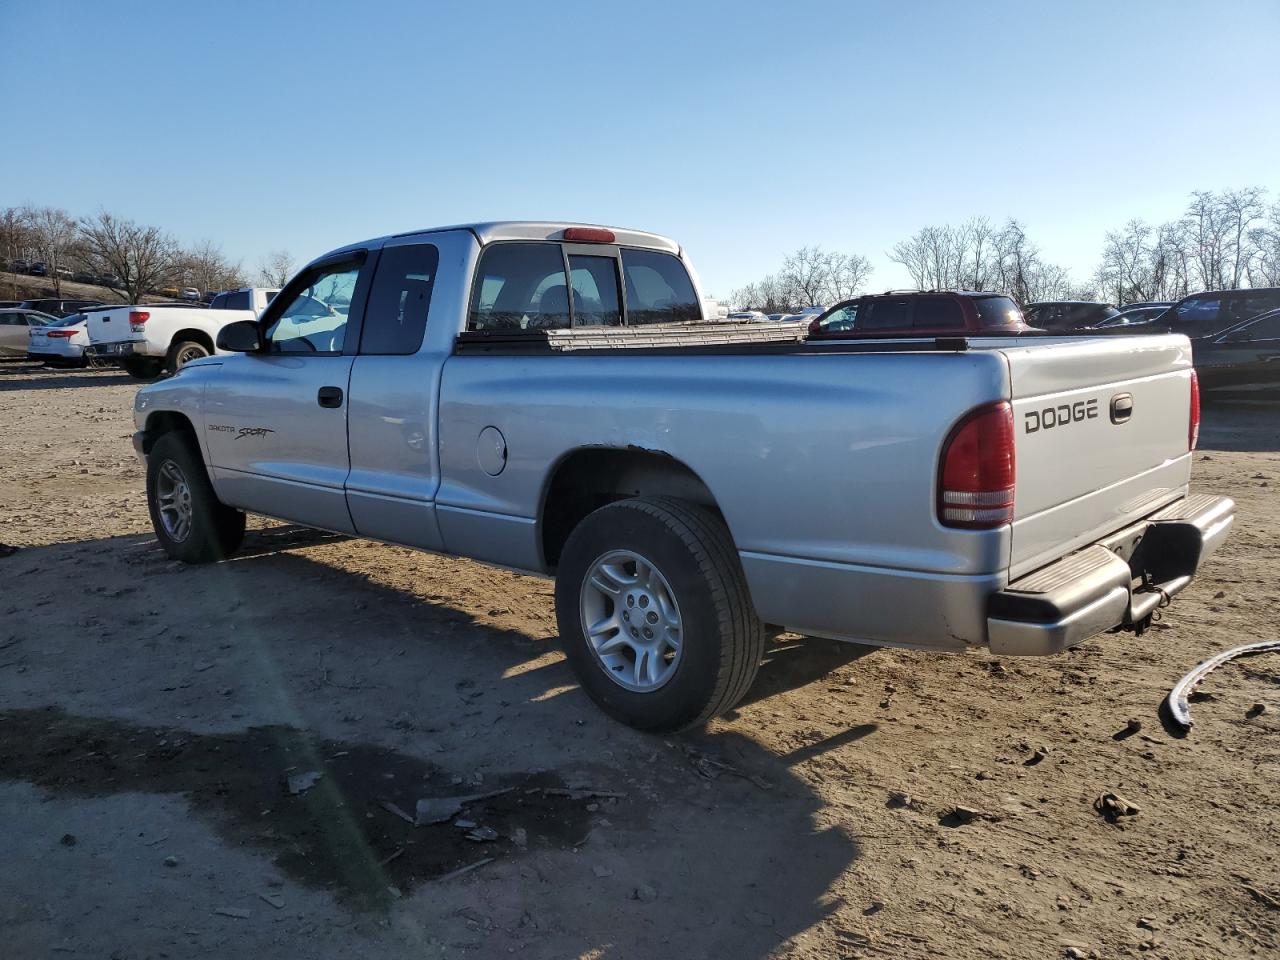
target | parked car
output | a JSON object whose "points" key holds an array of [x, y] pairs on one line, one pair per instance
{"points": [[1242, 362], [1061, 316], [15, 329], [920, 313], [756, 316], [190, 293], [1031, 496], [1204, 314], [60, 343], [150, 339], [1145, 303], [38, 269], [1125, 320], [5, 304], [59, 306]]}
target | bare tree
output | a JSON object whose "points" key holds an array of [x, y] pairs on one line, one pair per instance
{"points": [[1264, 264], [142, 257], [209, 270], [54, 235], [807, 272], [848, 275], [277, 268]]}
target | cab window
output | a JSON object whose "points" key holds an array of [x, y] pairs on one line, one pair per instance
{"points": [[937, 313], [520, 286], [885, 314], [315, 320], [395, 314], [658, 289], [841, 319], [595, 291]]}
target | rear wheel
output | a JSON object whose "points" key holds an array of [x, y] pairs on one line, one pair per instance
{"points": [[182, 353], [654, 613], [142, 368], [190, 522]]}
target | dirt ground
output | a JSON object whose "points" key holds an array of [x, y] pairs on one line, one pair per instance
{"points": [[152, 715]]}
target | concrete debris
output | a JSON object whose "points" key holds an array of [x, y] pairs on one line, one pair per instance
{"points": [[170, 861], [482, 834], [274, 899], [1113, 807], [236, 912], [302, 782], [601, 872], [644, 893], [431, 810]]}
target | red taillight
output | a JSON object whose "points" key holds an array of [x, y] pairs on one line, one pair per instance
{"points": [[588, 235], [62, 333], [976, 479], [1193, 428], [138, 319]]}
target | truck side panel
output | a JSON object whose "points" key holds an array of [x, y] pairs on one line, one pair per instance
{"points": [[770, 436]]}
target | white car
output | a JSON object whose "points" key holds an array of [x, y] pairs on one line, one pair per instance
{"points": [[61, 342], [15, 330], [151, 339]]}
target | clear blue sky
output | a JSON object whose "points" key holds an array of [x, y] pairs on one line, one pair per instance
{"points": [[742, 129]]}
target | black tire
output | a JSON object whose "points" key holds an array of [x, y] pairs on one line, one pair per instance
{"points": [[183, 352], [722, 639], [143, 368], [215, 531]]}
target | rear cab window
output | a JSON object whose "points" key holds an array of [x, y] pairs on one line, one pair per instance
{"points": [[542, 285]]}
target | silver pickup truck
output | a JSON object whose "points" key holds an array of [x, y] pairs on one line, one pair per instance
{"points": [[547, 397]]}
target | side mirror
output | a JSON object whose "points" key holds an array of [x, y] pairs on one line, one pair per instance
{"points": [[243, 336]]}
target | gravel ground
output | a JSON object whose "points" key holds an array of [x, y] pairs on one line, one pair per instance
{"points": [[152, 716]]}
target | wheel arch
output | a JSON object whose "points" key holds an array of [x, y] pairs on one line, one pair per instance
{"points": [[161, 422], [193, 335], [589, 477]]}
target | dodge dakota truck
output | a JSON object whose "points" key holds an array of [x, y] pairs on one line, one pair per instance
{"points": [[547, 397], [148, 340]]}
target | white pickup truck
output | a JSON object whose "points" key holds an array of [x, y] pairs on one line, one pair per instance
{"points": [[548, 397], [151, 339]]}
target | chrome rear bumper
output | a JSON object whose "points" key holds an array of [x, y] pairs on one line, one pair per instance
{"points": [[1115, 583]]}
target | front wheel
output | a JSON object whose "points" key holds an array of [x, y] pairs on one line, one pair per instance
{"points": [[190, 522], [655, 615]]}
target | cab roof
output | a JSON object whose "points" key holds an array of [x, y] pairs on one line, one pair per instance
{"points": [[494, 230]]}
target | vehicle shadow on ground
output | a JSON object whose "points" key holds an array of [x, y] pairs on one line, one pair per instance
{"points": [[301, 634], [30, 376]]}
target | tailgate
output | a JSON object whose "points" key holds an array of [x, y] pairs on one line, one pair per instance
{"points": [[1101, 430], [108, 326]]}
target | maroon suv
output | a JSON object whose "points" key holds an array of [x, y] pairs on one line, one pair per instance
{"points": [[921, 314]]}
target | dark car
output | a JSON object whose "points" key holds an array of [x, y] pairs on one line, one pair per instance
{"points": [[1242, 361], [1061, 316], [38, 269], [1204, 314], [920, 313], [58, 306], [1126, 320]]}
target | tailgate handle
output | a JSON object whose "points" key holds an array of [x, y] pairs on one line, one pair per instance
{"points": [[1121, 407]]}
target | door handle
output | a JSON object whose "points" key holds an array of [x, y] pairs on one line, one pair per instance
{"points": [[329, 397]]}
